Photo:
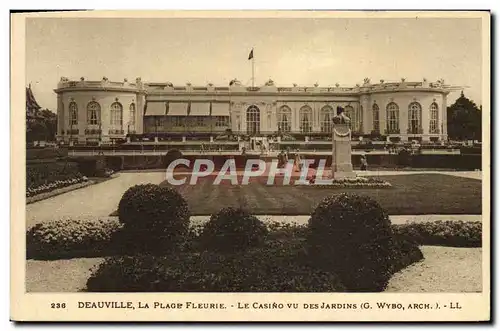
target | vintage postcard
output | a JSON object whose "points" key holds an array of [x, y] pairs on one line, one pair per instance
{"points": [[250, 166]]}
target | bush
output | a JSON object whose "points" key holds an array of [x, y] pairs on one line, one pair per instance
{"points": [[154, 217], [351, 234], [91, 166], [71, 238], [404, 158], [282, 268], [442, 233], [233, 229], [171, 156]]}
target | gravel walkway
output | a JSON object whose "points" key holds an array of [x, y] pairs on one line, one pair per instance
{"points": [[97, 200], [395, 219], [444, 269], [59, 275]]}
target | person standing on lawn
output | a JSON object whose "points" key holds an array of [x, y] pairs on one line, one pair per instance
{"points": [[364, 163]]}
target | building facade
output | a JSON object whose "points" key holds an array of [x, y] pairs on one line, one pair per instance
{"points": [[105, 111]]}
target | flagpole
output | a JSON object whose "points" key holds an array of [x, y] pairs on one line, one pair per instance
{"points": [[253, 70]]}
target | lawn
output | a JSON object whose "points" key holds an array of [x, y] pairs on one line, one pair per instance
{"points": [[415, 194]]}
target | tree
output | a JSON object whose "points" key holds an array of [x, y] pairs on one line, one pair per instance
{"points": [[42, 127], [464, 120]]}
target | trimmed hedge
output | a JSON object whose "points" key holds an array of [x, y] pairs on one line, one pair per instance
{"points": [[71, 238], [281, 267], [442, 233], [155, 218], [232, 229], [46, 153], [46, 240]]}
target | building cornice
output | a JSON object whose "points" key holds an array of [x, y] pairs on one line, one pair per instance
{"points": [[167, 89]]}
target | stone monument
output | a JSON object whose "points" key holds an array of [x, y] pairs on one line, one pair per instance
{"points": [[341, 141]]}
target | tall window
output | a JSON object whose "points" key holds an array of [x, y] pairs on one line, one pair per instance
{"points": [[73, 113], [434, 114], [93, 113], [116, 115], [305, 119], [132, 113], [326, 115], [376, 118], [177, 121], [222, 121], [284, 119], [414, 118], [392, 118], [253, 120]]}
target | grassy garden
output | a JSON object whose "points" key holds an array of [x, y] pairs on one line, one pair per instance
{"points": [[416, 194], [348, 245]]}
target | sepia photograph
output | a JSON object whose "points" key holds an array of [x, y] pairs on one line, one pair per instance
{"points": [[251, 166]]}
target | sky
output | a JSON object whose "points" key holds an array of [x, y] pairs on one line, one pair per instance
{"points": [[304, 51]]}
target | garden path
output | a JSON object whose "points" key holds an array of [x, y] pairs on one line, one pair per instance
{"points": [[97, 200]]}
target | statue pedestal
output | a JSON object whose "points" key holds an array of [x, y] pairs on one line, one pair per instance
{"points": [[341, 155]]}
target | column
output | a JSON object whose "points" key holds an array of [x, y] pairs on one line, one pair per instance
{"points": [[426, 118], [139, 113], [382, 116], [316, 117], [403, 119], [444, 118], [295, 117], [366, 111], [61, 123], [82, 117]]}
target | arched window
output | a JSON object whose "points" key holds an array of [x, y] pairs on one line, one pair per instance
{"points": [[414, 118], [285, 119], [132, 113], [116, 115], [376, 118], [73, 113], [253, 120], [93, 113], [326, 116], [392, 118], [305, 115], [434, 115]]}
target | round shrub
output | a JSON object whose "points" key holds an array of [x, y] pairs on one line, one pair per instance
{"points": [[71, 238], [351, 235], [153, 215], [233, 229], [171, 156]]}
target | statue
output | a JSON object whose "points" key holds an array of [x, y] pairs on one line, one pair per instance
{"points": [[341, 146], [366, 81], [341, 118], [270, 82]]}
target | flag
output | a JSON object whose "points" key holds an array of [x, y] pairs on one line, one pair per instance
{"points": [[250, 56]]}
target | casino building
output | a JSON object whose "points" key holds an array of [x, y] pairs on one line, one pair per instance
{"points": [[104, 112]]}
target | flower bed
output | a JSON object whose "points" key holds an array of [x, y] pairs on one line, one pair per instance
{"points": [[354, 182], [57, 184], [442, 233]]}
